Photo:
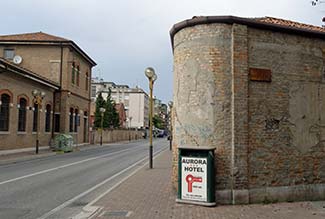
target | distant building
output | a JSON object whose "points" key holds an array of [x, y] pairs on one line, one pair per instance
{"points": [[160, 110], [121, 114], [51, 64], [135, 101]]}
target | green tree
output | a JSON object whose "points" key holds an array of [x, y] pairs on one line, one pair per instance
{"points": [[157, 122], [100, 102], [111, 117]]}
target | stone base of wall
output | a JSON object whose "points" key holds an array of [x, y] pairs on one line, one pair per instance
{"points": [[312, 192]]}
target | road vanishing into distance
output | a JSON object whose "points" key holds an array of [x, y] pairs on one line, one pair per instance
{"points": [[60, 186]]}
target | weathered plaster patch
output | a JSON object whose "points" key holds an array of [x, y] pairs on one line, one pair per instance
{"points": [[304, 111], [195, 100]]}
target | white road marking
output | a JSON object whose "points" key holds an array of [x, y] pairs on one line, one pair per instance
{"points": [[65, 204], [60, 167]]}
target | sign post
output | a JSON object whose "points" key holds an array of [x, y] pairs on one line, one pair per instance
{"points": [[196, 176]]}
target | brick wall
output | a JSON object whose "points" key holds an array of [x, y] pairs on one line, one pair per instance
{"points": [[115, 135], [18, 85], [269, 136], [286, 116], [203, 92], [44, 60]]}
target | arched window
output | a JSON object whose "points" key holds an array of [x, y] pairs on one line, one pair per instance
{"points": [[78, 74], [87, 81], [35, 114], [73, 73], [4, 112], [76, 120], [48, 118], [71, 120], [22, 115]]}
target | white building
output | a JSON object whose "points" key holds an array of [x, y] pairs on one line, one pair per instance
{"points": [[135, 100]]}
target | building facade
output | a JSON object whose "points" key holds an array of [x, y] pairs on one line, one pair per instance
{"points": [[120, 109], [135, 101], [51, 64], [160, 111], [254, 90]]}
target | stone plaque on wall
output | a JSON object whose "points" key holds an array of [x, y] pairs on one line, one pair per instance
{"points": [[258, 74]]}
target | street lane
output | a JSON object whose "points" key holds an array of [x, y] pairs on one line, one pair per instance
{"points": [[32, 189]]}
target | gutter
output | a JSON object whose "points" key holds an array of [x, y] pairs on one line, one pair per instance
{"points": [[61, 65]]}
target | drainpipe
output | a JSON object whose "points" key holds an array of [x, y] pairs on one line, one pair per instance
{"points": [[232, 164], [55, 92], [90, 134], [232, 183], [53, 115], [61, 67]]}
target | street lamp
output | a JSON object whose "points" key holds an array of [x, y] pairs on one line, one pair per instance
{"points": [[170, 104], [150, 73], [38, 98], [102, 111]]}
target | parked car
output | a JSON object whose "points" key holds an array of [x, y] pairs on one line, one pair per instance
{"points": [[159, 133]]}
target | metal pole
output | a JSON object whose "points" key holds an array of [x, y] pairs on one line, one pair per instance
{"points": [[101, 129], [38, 124], [171, 130], [150, 123]]}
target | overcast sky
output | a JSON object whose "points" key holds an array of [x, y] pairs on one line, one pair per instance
{"points": [[126, 36]]}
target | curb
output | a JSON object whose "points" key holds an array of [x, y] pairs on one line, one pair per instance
{"points": [[22, 157]]}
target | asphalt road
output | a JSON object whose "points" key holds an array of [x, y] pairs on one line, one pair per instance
{"points": [[59, 186]]}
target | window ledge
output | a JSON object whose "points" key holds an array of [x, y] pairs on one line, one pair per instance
{"points": [[4, 133], [21, 133]]}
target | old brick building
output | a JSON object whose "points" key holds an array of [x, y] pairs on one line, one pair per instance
{"points": [[54, 65], [255, 90]]}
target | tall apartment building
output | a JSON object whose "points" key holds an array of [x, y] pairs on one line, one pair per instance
{"points": [[160, 110], [135, 100], [51, 64]]}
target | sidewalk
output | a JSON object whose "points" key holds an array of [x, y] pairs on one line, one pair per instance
{"points": [[11, 156], [22, 155], [149, 194]]}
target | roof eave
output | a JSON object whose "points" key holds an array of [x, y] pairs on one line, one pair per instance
{"points": [[244, 21]]}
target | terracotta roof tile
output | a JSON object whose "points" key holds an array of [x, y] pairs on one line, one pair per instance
{"points": [[288, 23], [38, 36]]}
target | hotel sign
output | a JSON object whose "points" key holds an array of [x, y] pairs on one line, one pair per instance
{"points": [[194, 178]]}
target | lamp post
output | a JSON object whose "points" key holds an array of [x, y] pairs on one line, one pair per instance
{"points": [[38, 98], [150, 73], [170, 104], [102, 111]]}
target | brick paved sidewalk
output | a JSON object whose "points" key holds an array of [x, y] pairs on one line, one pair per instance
{"points": [[148, 194]]}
